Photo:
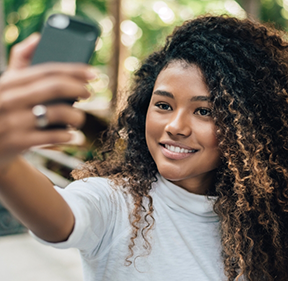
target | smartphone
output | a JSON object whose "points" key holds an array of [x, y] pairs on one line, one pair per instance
{"points": [[66, 39]]}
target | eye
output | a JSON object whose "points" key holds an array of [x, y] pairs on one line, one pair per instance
{"points": [[203, 111], [164, 106]]}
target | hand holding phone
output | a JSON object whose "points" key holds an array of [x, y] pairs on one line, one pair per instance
{"points": [[66, 39]]}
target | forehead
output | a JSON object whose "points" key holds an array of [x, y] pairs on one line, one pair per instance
{"points": [[183, 77]]}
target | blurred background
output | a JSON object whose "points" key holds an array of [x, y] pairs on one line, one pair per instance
{"points": [[131, 29]]}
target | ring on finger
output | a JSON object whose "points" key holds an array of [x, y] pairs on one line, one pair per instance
{"points": [[40, 113]]}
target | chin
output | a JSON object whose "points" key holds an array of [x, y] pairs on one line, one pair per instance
{"points": [[170, 175]]}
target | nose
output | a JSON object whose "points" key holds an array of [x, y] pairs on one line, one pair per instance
{"points": [[179, 125]]}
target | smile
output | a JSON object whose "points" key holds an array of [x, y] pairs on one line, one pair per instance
{"points": [[176, 152], [178, 149]]}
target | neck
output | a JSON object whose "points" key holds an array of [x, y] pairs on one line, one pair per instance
{"points": [[201, 185]]}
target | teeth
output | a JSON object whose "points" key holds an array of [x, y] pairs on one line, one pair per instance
{"points": [[177, 149]]}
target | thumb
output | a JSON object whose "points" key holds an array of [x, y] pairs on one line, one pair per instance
{"points": [[21, 54]]}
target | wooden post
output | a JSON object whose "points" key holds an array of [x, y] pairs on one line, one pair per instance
{"points": [[252, 8], [3, 60], [114, 7]]}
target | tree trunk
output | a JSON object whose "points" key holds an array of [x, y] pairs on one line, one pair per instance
{"points": [[114, 7], [3, 60], [252, 8]]}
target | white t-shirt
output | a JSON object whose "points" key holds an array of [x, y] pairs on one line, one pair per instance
{"points": [[185, 242]]}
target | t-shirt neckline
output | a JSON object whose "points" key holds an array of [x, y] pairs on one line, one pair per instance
{"points": [[183, 200]]}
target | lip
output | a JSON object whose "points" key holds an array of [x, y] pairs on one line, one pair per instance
{"points": [[162, 143], [176, 155]]}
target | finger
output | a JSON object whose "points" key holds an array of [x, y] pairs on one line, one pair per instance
{"points": [[16, 78], [21, 53], [24, 120], [64, 114], [42, 91], [13, 146], [17, 120]]}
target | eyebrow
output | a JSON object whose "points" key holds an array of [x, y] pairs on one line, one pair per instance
{"points": [[170, 95]]}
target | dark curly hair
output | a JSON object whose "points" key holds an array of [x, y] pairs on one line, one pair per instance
{"points": [[245, 66]]}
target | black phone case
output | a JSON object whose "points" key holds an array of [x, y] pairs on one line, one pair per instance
{"points": [[74, 43]]}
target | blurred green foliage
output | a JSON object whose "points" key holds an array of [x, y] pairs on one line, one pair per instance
{"points": [[145, 24], [24, 17], [29, 15], [276, 12]]}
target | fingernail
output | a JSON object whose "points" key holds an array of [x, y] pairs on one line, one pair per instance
{"points": [[91, 74], [77, 137], [34, 37]]}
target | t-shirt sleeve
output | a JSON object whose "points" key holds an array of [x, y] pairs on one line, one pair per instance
{"points": [[91, 204]]}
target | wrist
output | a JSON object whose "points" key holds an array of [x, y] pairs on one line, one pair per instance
{"points": [[7, 165]]}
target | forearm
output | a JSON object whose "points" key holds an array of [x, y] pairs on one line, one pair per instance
{"points": [[31, 198], [27, 193]]}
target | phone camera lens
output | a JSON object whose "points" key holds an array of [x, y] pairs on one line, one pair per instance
{"points": [[59, 21], [90, 36]]}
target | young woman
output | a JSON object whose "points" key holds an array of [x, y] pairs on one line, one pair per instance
{"points": [[193, 184]]}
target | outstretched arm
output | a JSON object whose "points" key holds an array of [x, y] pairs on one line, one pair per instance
{"points": [[31, 198], [27, 193]]}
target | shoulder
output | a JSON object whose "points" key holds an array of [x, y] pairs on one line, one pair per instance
{"points": [[94, 195], [95, 189], [91, 185], [90, 190]]}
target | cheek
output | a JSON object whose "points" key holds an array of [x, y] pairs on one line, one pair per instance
{"points": [[151, 125], [153, 130], [212, 144], [207, 136], [213, 140], [148, 127]]}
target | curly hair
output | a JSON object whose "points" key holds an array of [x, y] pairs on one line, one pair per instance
{"points": [[245, 66]]}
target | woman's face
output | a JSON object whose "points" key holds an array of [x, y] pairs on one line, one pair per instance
{"points": [[180, 132]]}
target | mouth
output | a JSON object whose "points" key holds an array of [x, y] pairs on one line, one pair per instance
{"points": [[178, 149]]}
